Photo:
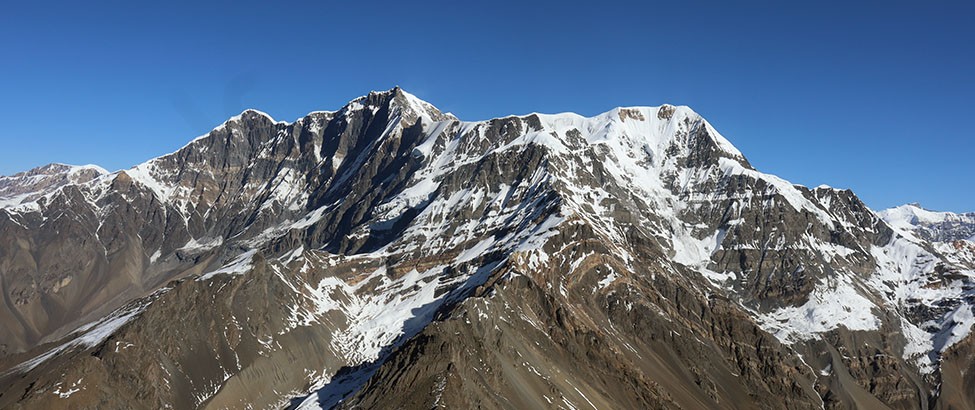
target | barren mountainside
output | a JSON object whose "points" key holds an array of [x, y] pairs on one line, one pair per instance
{"points": [[389, 255]]}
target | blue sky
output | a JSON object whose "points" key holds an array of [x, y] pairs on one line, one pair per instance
{"points": [[874, 96]]}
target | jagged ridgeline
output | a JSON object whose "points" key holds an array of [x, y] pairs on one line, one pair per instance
{"points": [[389, 255]]}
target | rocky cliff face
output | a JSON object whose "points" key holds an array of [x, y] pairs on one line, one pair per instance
{"points": [[390, 255]]}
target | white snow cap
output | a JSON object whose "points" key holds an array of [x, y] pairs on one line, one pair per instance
{"points": [[909, 216]]}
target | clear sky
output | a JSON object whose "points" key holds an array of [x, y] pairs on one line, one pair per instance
{"points": [[874, 96]]}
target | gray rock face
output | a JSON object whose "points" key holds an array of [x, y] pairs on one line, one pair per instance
{"points": [[388, 255]]}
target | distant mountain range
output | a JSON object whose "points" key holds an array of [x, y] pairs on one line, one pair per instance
{"points": [[389, 255]]}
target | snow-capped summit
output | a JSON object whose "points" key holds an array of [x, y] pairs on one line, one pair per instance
{"points": [[931, 225]]}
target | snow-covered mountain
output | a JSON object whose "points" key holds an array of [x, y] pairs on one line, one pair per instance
{"points": [[930, 225], [23, 191], [390, 255]]}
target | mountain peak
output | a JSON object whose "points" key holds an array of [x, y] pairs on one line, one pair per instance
{"points": [[930, 225], [250, 112], [398, 102], [59, 168], [21, 189]]}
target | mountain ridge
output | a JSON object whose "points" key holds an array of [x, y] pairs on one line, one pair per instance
{"points": [[388, 205]]}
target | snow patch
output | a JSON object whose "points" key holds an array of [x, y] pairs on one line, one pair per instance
{"points": [[609, 279], [835, 303], [238, 266]]}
